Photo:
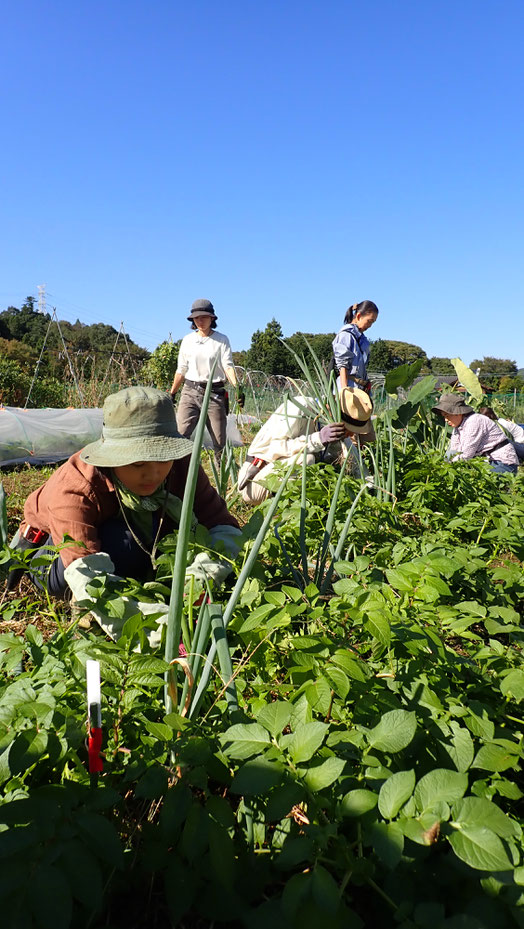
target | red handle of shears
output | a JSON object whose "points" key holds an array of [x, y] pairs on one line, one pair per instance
{"points": [[94, 745]]}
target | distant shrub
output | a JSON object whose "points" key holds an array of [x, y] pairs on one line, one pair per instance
{"points": [[49, 391], [14, 384], [160, 367]]}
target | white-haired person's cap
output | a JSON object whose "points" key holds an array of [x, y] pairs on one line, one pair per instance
{"points": [[356, 408], [139, 425]]}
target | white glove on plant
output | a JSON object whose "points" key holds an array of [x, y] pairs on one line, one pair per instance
{"points": [[84, 571], [230, 536], [204, 566]]}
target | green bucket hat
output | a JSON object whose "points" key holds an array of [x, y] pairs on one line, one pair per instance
{"points": [[139, 425], [452, 403]]}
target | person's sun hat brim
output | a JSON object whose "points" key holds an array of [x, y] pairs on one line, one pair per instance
{"points": [[452, 403], [195, 314], [116, 453]]}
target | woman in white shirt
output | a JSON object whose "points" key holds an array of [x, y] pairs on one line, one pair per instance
{"points": [[198, 351], [515, 430]]}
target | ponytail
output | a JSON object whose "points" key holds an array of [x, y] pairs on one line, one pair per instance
{"points": [[365, 307]]}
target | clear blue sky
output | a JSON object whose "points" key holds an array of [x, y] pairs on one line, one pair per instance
{"points": [[283, 159]]}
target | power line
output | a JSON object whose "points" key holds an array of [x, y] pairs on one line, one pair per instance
{"points": [[61, 303]]}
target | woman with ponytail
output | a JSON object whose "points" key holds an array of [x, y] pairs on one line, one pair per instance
{"points": [[351, 350], [351, 346]]}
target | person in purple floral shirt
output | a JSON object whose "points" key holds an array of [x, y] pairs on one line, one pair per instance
{"points": [[476, 436]]}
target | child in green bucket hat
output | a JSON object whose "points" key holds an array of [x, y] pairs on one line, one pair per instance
{"points": [[118, 497]]}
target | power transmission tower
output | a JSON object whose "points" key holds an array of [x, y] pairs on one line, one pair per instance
{"points": [[41, 298]]}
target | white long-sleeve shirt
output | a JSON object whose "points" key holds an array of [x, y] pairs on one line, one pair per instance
{"points": [[285, 434], [516, 431], [197, 354]]}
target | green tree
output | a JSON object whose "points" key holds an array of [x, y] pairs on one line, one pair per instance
{"points": [[490, 370], [160, 367], [14, 384], [24, 355], [321, 344], [407, 353], [380, 357], [25, 324], [511, 383], [267, 353], [240, 358], [90, 347], [441, 365]]}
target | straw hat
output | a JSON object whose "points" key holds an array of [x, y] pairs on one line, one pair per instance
{"points": [[139, 425], [356, 408], [452, 403]]}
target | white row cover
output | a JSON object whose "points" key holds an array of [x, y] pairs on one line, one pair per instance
{"points": [[47, 436]]}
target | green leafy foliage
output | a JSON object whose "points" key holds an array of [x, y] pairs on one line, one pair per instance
{"points": [[468, 379], [160, 367], [373, 774]]}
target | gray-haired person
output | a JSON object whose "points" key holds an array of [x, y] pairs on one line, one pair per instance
{"points": [[476, 436], [198, 351]]}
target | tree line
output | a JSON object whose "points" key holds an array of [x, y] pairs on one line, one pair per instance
{"points": [[268, 353], [98, 355], [89, 349]]}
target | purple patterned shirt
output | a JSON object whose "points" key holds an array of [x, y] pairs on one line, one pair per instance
{"points": [[476, 436]]}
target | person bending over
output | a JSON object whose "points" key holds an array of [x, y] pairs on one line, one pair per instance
{"points": [[514, 430], [118, 497], [293, 428], [476, 436]]}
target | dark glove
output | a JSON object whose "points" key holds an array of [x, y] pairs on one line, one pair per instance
{"points": [[173, 398], [241, 397], [332, 433], [226, 402]]}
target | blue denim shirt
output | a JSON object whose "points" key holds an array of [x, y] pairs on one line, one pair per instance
{"points": [[351, 351]]}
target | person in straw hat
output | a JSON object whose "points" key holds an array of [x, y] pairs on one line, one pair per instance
{"points": [[198, 351], [119, 496], [475, 435], [293, 428]]}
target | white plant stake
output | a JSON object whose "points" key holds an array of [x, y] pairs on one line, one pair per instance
{"points": [[94, 716]]}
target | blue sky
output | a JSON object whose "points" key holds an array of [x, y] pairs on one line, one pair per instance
{"points": [[283, 159]]}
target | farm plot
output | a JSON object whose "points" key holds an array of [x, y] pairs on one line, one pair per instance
{"points": [[357, 764]]}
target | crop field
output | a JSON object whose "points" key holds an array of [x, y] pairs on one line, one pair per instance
{"points": [[338, 741]]}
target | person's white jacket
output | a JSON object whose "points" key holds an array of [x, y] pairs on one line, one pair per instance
{"points": [[283, 437]]}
